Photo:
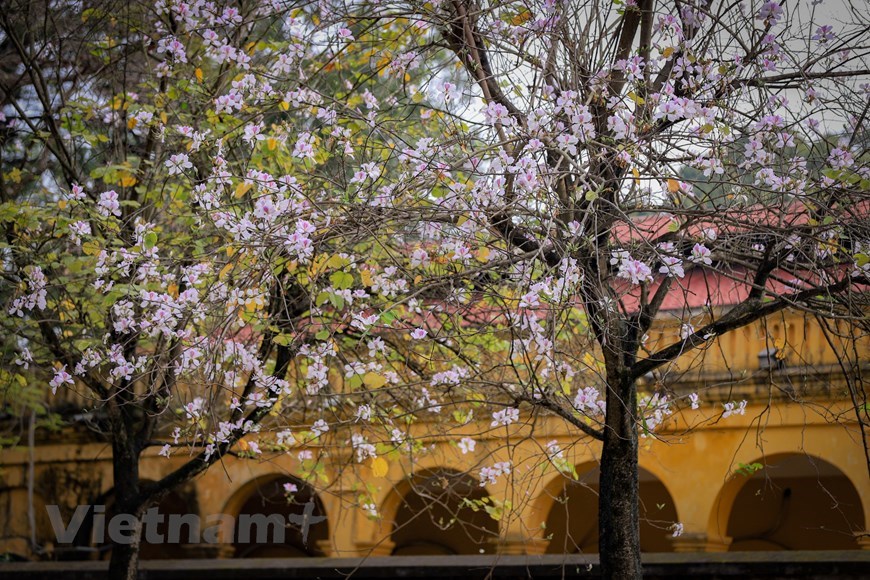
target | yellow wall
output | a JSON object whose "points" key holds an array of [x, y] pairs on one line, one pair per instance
{"points": [[800, 445]]}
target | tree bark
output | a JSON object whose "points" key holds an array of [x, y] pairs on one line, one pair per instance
{"points": [[124, 564], [618, 514]]}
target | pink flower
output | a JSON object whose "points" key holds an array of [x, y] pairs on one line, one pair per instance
{"points": [[701, 254], [178, 163], [466, 445], [345, 34], [61, 377], [418, 334], [109, 204], [769, 13]]}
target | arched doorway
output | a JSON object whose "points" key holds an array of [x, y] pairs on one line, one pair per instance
{"points": [[572, 522], [793, 502], [92, 540], [263, 506], [443, 512]]}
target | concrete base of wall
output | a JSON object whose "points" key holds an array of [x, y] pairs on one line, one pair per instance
{"points": [[703, 566]]}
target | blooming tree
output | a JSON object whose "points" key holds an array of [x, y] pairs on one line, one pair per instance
{"points": [[245, 227]]}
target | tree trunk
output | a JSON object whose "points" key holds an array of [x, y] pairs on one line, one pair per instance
{"points": [[125, 558], [124, 564], [618, 517]]}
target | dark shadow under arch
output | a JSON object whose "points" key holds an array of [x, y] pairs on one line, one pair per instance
{"points": [[443, 512], [178, 502], [795, 502], [572, 523], [267, 496]]}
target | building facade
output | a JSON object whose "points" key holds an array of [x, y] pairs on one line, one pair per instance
{"points": [[788, 474]]}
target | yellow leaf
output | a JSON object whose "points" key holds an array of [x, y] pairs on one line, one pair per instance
{"points": [[668, 52], [172, 290], [335, 261], [243, 445], [380, 467], [230, 251], [272, 143], [132, 122], [198, 73], [61, 204], [225, 271], [366, 276], [673, 185], [483, 255], [521, 18], [285, 106], [90, 248], [373, 380], [242, 189], [163, 118], [636, 174], [15, 175], [127, 180]]}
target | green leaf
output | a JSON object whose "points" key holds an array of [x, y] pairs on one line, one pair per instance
{"points": [[150, 240], [322, 335], [341, 280]]}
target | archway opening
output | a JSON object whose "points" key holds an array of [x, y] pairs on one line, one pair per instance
{"points": [[444, 513], [572, 523], [93, 538], [795, 502], [278, 517]]}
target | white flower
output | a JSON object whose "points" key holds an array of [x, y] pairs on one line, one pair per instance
{"points": [[165, 451], [178, 163], [364, 449], [109, 204], [491, 474], [61, 377], [686, 330], [505, 417], [678, 529], [319, 428], [672, 267], [363, 413], [701, 254], [418, 334], [733, 408], [466, 445], [693, 399], [630, 269], [77, 192]]}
